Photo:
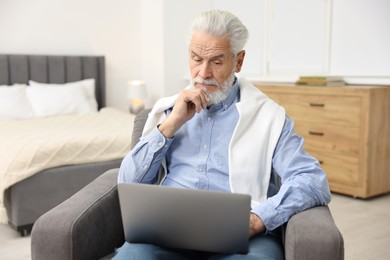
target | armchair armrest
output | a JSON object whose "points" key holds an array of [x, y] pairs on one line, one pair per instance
{"points": [[86, 226], [312, 234]]}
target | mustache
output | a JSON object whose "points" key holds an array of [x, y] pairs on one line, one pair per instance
{"points": [[206, 81]]}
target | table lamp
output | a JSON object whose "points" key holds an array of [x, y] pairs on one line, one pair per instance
{"points": [[136, 94]]}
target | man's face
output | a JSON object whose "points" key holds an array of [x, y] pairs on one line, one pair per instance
{"points": [[212, 64]]}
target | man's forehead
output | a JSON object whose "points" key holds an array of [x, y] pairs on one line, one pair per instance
{"points": [[204, 44], [209, 55]]}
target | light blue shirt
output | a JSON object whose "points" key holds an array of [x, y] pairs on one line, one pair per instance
{"points": [[197, 158]]}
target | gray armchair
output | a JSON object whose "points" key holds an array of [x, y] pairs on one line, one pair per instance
{"points": [[89, 226]]}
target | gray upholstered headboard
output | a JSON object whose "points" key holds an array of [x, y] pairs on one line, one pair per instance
{"points": [[16, 68]]}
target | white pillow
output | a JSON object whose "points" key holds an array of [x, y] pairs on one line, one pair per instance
{"points": [[14, 103], [59, 100], [87, 84]]}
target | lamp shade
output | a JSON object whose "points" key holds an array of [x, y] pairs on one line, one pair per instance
{"points": [[136, 89]]}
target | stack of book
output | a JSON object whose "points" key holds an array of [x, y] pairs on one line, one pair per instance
{"points": [[320, 81]]}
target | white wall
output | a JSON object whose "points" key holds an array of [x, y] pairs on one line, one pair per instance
{"points": [[146, 39], [141, 39], [78, 27], [361, 38], [151, 37], [164, 29], [253, 14], [178, 15]]}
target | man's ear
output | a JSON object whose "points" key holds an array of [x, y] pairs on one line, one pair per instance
{"points": [[240, 61]]}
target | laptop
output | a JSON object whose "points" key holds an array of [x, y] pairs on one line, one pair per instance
{"points": [[208, 221]]}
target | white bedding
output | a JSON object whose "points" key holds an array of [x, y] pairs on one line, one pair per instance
{"points": [[30, 146]]}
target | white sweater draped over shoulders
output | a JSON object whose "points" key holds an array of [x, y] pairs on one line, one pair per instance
{"points": [[253, 141]]}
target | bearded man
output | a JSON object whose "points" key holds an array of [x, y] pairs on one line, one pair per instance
{"points": [[222, 133]]}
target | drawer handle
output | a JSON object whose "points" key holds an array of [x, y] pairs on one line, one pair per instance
{"points": [[316, 104], [316, 133]]}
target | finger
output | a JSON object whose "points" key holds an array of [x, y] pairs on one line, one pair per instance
{"points": [[197, 101], [198, 98], [205, 98]]}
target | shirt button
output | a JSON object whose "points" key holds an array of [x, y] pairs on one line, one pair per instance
{"points": [[205, 146], [160, 144], [145, 166], [209, 118]]}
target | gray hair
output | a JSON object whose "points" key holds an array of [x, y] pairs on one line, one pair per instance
{"points": [[222, 24]]}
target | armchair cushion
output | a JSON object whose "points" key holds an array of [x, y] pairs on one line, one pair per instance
{"points": [[139, 122]]}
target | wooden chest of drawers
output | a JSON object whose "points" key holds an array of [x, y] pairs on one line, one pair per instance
{"points": [[347, 129]]}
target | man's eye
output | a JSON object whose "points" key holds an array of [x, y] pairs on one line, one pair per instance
{"points": [[196, 59], [217, 62]]}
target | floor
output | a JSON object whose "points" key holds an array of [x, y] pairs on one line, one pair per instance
{"points": [[365, 225], [12, 245]]}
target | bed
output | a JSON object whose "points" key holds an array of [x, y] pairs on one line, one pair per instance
{"points": [[26, 191]]}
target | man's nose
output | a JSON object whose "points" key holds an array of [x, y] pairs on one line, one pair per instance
{"points": [[205, 70]]}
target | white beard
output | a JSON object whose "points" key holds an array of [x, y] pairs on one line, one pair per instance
{"points": [[219, 95]]}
